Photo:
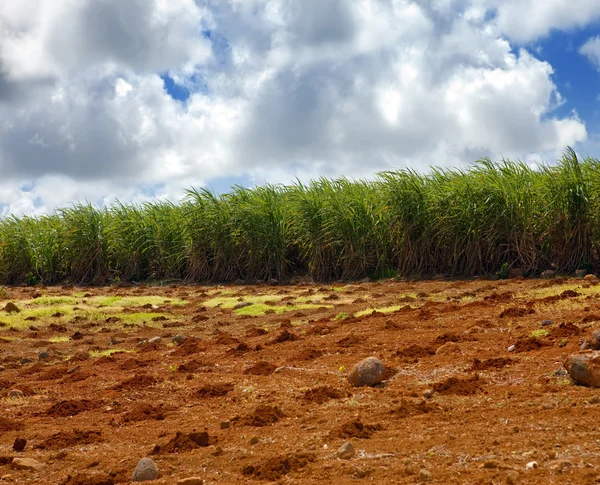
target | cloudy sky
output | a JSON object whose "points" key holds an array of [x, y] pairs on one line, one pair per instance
{"points": [[138, 99]]}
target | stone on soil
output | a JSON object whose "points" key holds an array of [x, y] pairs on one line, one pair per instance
{"points": [[346, 451], [154, 340], [590, 277], [27, 464], [584, 368], [425, 476], [190, 481], [10, 307], [367, 372], [19, 444], [145, 471], [178, 339], [449, 348], [16, 394]]}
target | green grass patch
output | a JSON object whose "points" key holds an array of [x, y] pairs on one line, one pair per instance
{"points": [[43, 316], [51, 301], [94, 354], [386, 309], [539, 333], [133, 301], [59, 339], [260, 309], [229, 302]]}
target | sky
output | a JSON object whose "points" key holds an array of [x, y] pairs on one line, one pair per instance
{"points": [[136, 100]]}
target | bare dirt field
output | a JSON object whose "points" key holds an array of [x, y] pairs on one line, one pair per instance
{"points": [[247, 384]]}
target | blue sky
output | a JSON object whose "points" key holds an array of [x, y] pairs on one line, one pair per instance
{"points": [[142, 99]]}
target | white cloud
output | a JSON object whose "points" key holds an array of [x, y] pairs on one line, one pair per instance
{"points": [[528, 20], [591, 50], [279, 89]]}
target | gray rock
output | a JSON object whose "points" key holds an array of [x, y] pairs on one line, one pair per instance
{"points": [[145, 471], [178, 339], [25, 360], [512, 348], [154, 340], [425, 475], [584, 368], [44, 355], [225, 424], [19, 444], [516, 272], [190, 481], [346, 451], [27, 464], [243, 304], [448, 348], [367, 372], [545, 323], [596, 335], [16, 394], [549, 273], [10, 307]]}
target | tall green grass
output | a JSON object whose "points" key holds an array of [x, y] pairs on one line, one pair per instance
{"points": [[459, 222]]}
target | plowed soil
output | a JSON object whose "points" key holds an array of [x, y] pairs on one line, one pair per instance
{"points": [[247, 384]]}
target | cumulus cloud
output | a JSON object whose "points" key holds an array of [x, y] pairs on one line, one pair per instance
{"points": [[527, 20], [278, 89], [591, 50]]}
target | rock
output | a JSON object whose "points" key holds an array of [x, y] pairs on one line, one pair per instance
{"points": [[19, 444], [532, 465], [225, 424], [145, 471], [190, 481], [545, 323], [178, 339], [428, 393], [594, 400], [154, 340], [549, 273], [425, 475], [27, 464], [16, 394], [491, 464], [254, 440], [562, 465], [584, 369], [44, 355], [242, 304], [581, 273], [512, 348], [116, 341], [512, 478], [10, 307], [367, 372], [346, 451], [449, 348], [80, 356], [25, 361], [272, 282], [516, 272], [590, 277]]}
